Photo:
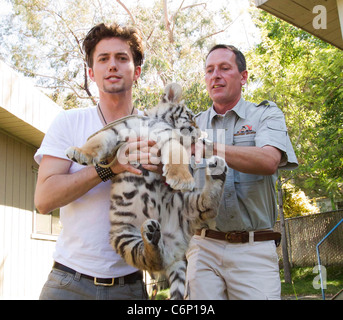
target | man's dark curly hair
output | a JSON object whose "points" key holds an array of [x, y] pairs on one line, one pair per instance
{"points": [[129, 34]]}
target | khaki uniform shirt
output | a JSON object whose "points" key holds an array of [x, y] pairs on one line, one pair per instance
{"points": [[249, 200]]}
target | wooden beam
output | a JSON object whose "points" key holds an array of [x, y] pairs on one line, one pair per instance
{"points": [[340, 14]]}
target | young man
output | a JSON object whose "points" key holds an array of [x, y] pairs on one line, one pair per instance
{"points": [[237, 259], [86, 266]]}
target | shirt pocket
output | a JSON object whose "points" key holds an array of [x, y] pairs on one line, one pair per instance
{"points": [[246, 178], [247, 185], [245, 140]]}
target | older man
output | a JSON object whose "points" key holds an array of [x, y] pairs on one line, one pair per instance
{"points": [[237, 259]]}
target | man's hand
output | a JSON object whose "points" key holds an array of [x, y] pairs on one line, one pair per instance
{"points": [[135, 151], [203, 148], [198, 150]]}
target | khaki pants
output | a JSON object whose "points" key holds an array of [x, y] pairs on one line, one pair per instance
{"points": [[218, 270]]}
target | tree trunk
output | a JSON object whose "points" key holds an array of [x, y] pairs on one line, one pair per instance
{"points": [[286, 264]]}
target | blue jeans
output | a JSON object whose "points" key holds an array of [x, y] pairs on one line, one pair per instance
{"points": [[66, 286]]}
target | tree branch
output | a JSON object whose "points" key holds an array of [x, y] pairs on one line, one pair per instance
{"points": [[195, 5], [128, 11], [213, 34], [86, 88], [167, 22]]}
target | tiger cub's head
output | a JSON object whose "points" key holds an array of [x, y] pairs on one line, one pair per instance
{"points": [[175, 112]]}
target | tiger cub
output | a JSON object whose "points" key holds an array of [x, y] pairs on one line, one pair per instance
{"points": [[151, 221]]}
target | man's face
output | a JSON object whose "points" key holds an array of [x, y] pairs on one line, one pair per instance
{"points": [[223, 79], [113, 67]]}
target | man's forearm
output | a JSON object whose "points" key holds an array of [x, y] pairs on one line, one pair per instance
{"points": [[253, 160]]}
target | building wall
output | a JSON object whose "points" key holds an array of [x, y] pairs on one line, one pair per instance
{"points": [[25, 256], [24, 262]]}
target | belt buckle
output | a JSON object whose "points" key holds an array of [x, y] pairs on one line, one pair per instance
{"points": [[228, 236], [234, 236], [103, 284]]}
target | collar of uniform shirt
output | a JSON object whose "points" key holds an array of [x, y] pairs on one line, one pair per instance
{"points": [[239, 109]]}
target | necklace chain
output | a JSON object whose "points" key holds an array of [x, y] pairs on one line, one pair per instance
{"points": [[133, 108]]}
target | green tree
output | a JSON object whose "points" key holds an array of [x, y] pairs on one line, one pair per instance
{"points": [[303, 75], [44, 40], [296, 203], [328, 164]]}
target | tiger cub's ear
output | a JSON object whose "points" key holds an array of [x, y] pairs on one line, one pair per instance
{"points": [[172, 93]]}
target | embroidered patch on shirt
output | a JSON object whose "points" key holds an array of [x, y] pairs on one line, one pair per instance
{"points": [[246, 129]]}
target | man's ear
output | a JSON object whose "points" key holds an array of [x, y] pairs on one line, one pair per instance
{"points": [[244, 77], [137, 73], [91, 73]]}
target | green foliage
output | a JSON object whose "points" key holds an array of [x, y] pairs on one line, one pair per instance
{"points": [[194, 95], [330, 136], [43, 40], [296, 203], [163, 295], [146, 97], [303, 75], [303, 282]]}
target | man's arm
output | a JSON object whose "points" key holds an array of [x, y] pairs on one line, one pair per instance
{"points": [[253, 160], [56, 187]]}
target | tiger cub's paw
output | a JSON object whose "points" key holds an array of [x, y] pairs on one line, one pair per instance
{"points": [[82, 157], [151, 231], [178, 177], [78, 155]]}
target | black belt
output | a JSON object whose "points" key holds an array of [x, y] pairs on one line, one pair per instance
{"points": [[130, 278]]}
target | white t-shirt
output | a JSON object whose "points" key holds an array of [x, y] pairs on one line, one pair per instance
{"points": [[83, 243]]}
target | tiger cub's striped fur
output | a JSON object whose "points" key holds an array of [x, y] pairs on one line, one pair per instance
{"points": [[151, 222]]}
